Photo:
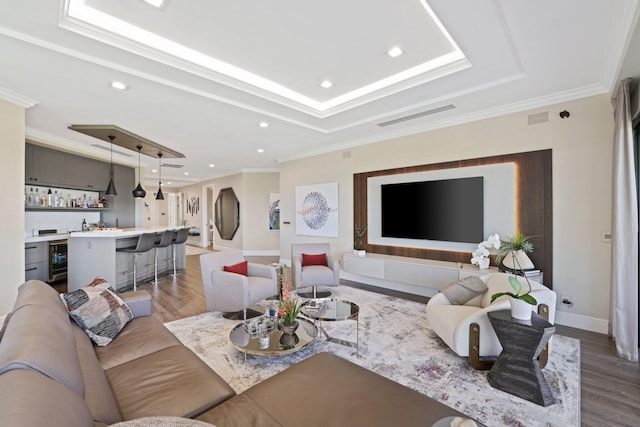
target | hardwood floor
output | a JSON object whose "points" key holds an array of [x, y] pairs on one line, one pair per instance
{"points": [[610, 387]]}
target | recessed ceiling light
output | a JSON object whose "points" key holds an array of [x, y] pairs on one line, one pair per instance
{"points": [[186, 173], [260, 150], [326, 84], [263, 124], [169, 183], [211, 165], [118, 85], [395, 51], [154, 170]]}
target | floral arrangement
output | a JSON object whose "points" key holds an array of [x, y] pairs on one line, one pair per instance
{"points": [[289, 308], [480, 256]]}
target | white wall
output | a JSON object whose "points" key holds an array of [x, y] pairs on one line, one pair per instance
{"points": [[252, 190], [582, 146], [12, 129]]}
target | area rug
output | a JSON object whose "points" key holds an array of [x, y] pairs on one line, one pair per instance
{"points": [[396, 342]]}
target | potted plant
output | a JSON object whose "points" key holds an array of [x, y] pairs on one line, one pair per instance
{"points": [[288, 310], [480, 256], [520, 302], [513, 251]]}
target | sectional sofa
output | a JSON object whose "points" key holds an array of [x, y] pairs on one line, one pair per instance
{"points": [[51, 374]]}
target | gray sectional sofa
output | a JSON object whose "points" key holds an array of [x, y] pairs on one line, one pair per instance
{"points": [[52, 375]]}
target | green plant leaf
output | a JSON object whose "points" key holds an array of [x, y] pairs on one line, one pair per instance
{"points": [[499, 294], [515, 284], [528, 299]]}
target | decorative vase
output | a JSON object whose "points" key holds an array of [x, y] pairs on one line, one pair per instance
{"points": [[483, 263], [520, 309], [289, 337], [522, 261]]}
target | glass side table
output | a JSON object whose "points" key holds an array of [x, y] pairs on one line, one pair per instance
{"points": [[333, 310]]}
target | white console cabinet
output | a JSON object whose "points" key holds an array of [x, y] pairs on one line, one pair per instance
{"points": [[413, 275]]}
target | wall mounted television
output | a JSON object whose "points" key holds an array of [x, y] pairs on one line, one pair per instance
{"points": [[450, 210]]}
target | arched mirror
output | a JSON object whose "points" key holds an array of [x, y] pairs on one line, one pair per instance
{"points": [[227, 215]]}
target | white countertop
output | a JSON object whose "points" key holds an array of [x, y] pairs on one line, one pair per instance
{"points": [[120, 232], [47, 238]]}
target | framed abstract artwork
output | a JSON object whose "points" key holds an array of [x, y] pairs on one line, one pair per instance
{"points": [[317, 210], [274, 211]]}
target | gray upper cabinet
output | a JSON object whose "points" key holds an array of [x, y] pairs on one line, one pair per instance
{"points": [[83, 173], [44, 166]]}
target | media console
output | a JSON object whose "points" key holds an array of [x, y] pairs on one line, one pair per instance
{"points": [[413, 275]]}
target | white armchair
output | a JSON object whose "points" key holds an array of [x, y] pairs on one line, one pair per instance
{"points": [[466, 328], [232, 292], [313, 275]]}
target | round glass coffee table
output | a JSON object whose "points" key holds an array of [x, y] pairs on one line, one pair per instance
{"points": [[333, 310], [268, 343]]}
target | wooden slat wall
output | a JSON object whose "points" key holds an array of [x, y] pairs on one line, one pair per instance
{"points": [[534, 209]]}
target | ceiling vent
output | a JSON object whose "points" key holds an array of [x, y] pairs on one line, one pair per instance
{"points": [[171, 165], [417, 115], [534, 119]]}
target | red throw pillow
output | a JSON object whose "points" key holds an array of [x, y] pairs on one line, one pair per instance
{"points": [[319, 259], [239, 268]]}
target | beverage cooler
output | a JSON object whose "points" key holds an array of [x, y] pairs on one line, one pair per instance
{"points": [[57, 260]]}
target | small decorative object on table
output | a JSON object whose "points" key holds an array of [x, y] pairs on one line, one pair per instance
{"points": [[480, 256], [258, 325], [288, 311]]}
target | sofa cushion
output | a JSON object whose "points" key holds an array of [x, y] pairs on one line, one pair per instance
{"points": [[98, 394], [239, 268], [30, 399], [39, 339], [464, 290], [330, 391], [35, 292], [98, 311], [314, 259], [141, 337], [317, 274], [173, 382], [163, 422]]}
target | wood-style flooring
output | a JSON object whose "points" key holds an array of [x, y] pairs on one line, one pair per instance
{"points": [[610, 387]]}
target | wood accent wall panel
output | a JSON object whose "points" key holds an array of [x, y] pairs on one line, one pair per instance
{"points": [[533, 210]]}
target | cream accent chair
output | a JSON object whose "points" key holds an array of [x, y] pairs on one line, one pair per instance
{"points": [[452, 323], [313, 275], [231, 292]]}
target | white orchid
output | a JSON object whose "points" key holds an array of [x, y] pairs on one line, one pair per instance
{"points": [[481, 254]]}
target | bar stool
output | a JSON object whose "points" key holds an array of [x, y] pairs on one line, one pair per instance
{"points": [[145, 243], [165, 240], [179, 238]]}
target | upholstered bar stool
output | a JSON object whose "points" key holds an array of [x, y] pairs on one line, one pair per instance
{"points": [[179, 238], [165, 240], [145, 243]]}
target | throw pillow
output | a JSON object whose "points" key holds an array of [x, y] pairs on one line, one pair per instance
{"points": [[315, 259], [98, 311], [464, 290], [239, 268]]}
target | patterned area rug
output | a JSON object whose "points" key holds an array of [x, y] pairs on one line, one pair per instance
{"points": [[396, 342]]}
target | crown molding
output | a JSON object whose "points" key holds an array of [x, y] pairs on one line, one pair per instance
{"points": [[16, 98]]}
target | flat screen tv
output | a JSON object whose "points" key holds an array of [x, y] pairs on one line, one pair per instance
{"points": [[450, 210]]}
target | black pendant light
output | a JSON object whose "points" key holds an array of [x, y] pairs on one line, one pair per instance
{"points": [[139, 192], [111, 188], [159, 195]]}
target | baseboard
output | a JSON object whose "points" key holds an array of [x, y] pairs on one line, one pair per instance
{"points": [[579, 321]]}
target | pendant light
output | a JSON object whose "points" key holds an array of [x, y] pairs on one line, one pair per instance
{"points": [[159, 195], [139, 192], [111, 188]]}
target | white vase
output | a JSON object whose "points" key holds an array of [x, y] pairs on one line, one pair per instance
{"points": [[520, 309], [522, 261], [483, 263]]}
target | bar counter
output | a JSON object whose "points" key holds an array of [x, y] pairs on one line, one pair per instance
{"points": [[93, 253]]}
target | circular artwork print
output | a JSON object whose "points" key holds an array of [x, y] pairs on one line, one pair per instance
{"points": [[315, 210]]}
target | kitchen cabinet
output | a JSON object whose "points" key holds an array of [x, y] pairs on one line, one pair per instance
{"points": [[83, 173], [36, 261], [44, 166], [122, 207]]}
